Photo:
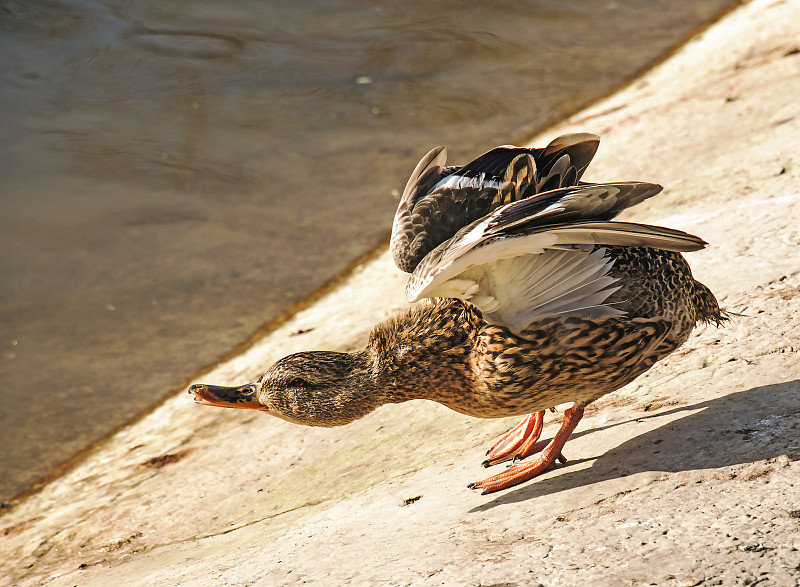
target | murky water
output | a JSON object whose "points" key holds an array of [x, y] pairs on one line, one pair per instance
{"points": [[175, 173]]}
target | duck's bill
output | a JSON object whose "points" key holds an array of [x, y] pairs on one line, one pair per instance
{"points": [[244, 396]]}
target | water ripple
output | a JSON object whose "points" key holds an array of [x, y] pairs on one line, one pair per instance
{"points": [[187, 44]]}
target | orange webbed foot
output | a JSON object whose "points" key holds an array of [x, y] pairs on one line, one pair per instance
{"points": [[518, 442], [520, 472]]}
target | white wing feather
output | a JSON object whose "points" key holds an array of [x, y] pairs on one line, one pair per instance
{"points": [[515, 291], [515, 278]]}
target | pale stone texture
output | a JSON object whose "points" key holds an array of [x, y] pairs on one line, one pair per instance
{"points": [[688, 476]]}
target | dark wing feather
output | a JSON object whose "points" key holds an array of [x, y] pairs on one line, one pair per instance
{"points": [[439, 201], [564, 160], [407, 224], [575, 204], [495, 162], [435, 219]]}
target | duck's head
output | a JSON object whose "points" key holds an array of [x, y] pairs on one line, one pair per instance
{"points": [[317, 388]]}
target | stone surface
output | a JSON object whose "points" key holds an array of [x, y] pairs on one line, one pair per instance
{"points": [[688, 476]]}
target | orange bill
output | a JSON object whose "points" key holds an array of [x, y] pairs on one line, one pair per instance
{"points": [[244, 396]]}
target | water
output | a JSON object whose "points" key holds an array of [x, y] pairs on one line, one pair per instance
{"points": [[174, 173]]}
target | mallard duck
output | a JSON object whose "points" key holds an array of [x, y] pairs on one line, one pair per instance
{"points": [[532, 297]]}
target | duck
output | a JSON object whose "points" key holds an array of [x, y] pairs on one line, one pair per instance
{"points": [[527, 295]]}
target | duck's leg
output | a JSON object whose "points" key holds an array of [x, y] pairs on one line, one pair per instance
{"points": [[517, 473], [518, 442]]}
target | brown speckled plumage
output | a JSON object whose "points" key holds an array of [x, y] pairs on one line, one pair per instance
{"points": [[610, 305], [446, 349]]}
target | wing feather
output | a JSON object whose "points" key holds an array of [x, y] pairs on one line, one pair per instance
{"points": [[517, 271], [438, 200]]}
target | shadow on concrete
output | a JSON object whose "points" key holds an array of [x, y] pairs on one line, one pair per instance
{"points": [[760, 423]]}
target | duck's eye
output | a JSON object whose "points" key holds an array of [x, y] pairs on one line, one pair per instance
{"points": [[297, 382]]}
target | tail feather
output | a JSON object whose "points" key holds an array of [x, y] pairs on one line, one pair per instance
{"points": [[707, 308]]}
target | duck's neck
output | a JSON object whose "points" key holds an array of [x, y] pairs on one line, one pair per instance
{"points": [[425, 352]]}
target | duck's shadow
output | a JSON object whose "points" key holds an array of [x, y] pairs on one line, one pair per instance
{"points": [[760, 423]]}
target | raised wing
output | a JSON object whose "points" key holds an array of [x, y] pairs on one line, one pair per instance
{"points": [[438, 201], [524, 260]]}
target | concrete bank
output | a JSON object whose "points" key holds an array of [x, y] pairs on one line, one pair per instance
{"points": [[688, 476]]}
